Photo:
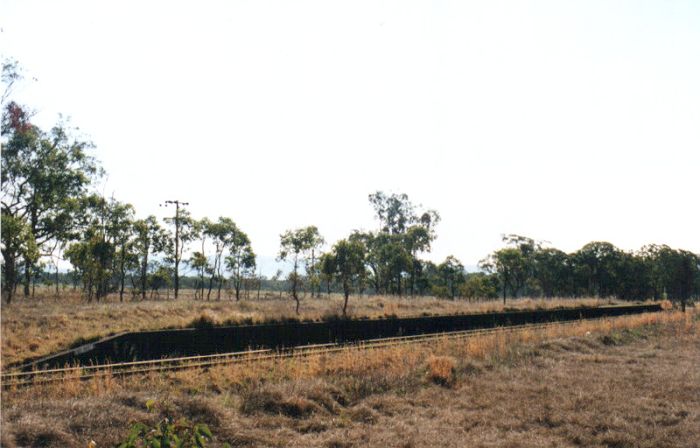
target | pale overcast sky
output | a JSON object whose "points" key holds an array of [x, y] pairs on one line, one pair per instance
{"points": [[568, 121]]}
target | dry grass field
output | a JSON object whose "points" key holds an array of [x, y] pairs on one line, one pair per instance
{"points": [[36, 327], [625, 382]]}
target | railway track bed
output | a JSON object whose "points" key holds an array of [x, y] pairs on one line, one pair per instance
{"points": [[17, 379]]}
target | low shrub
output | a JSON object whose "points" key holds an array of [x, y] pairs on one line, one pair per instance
{"points": [[167, 433]]}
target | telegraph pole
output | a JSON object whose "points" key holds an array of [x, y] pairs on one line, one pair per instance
{"points": [[177, 203]]}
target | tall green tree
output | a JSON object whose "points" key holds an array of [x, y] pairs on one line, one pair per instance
{"points": [[316, 241], [150, 239], [221, 234], [596, 265], [198, 260], [552, 270], [44, 175], [241, 259], [327, 269], [349, 262], [120, 230], [296, 246], [403, 234], [452, 274], [511, 267], [183, 225], [18, 244]]}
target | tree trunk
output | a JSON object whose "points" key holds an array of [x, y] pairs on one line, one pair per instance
{"points": [[56, 278], [377, 286], [177, 254], [211, 284], [9, 280], [346, 291], [144, 274], [122, 276], [398, 283], [27, 276], [201, 285]]}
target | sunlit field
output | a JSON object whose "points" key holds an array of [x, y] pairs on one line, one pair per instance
{"points": [[47, 323], [629, 381]]}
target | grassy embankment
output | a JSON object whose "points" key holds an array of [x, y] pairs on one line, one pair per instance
{"points": [[630, 381], [32, 328]]}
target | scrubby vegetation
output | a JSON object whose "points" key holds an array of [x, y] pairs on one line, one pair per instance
{"points": [[39, 327], [526, 388]]}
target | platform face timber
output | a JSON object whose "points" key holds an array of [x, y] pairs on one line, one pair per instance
{"points": [[156, 344]]}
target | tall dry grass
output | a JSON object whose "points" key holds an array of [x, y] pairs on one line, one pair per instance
{"points": [[326, 399], [46, 324], [361, 372]]}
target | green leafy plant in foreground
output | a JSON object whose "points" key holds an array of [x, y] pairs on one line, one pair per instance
{"points": [[167, 433]]}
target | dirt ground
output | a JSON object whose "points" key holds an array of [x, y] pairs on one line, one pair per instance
{"points": [[623, 388]]}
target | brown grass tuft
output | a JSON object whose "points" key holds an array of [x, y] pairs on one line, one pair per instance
{"points": [[441, 370], [273, 401], [363, 414], [204, 320]]}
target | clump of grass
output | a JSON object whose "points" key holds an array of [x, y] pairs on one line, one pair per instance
{"points": [[264, 400], [204, 321], [441, 370], [363, 414]]}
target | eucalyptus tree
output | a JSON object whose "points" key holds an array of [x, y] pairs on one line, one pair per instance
{"points": [[373, 260], [221, 234], [349, 262], [403, 233], [596, 264], [480, 285], [11, 73], [93, 252], [396, 259], [418, 238], [120, 229], [452, 274], [198, 260], [150, 239], [296, 246], [395, 212], [44, 175], [161, 277], [315, 242], [241, 260], [18, 244], [553, 271], [674, 273], [511, 267], [327, 269], [183, 225]]}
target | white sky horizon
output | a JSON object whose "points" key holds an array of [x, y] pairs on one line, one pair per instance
{"points": [[568, 122]]}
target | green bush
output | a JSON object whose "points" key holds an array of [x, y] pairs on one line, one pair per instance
{"points": [[167, 433]]}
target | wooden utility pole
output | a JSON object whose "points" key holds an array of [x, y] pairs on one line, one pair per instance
{"points": [[177, 203]]}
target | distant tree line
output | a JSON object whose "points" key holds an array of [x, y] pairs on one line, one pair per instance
{"points": [[598, 269], [387, 261], [50, 212]]}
